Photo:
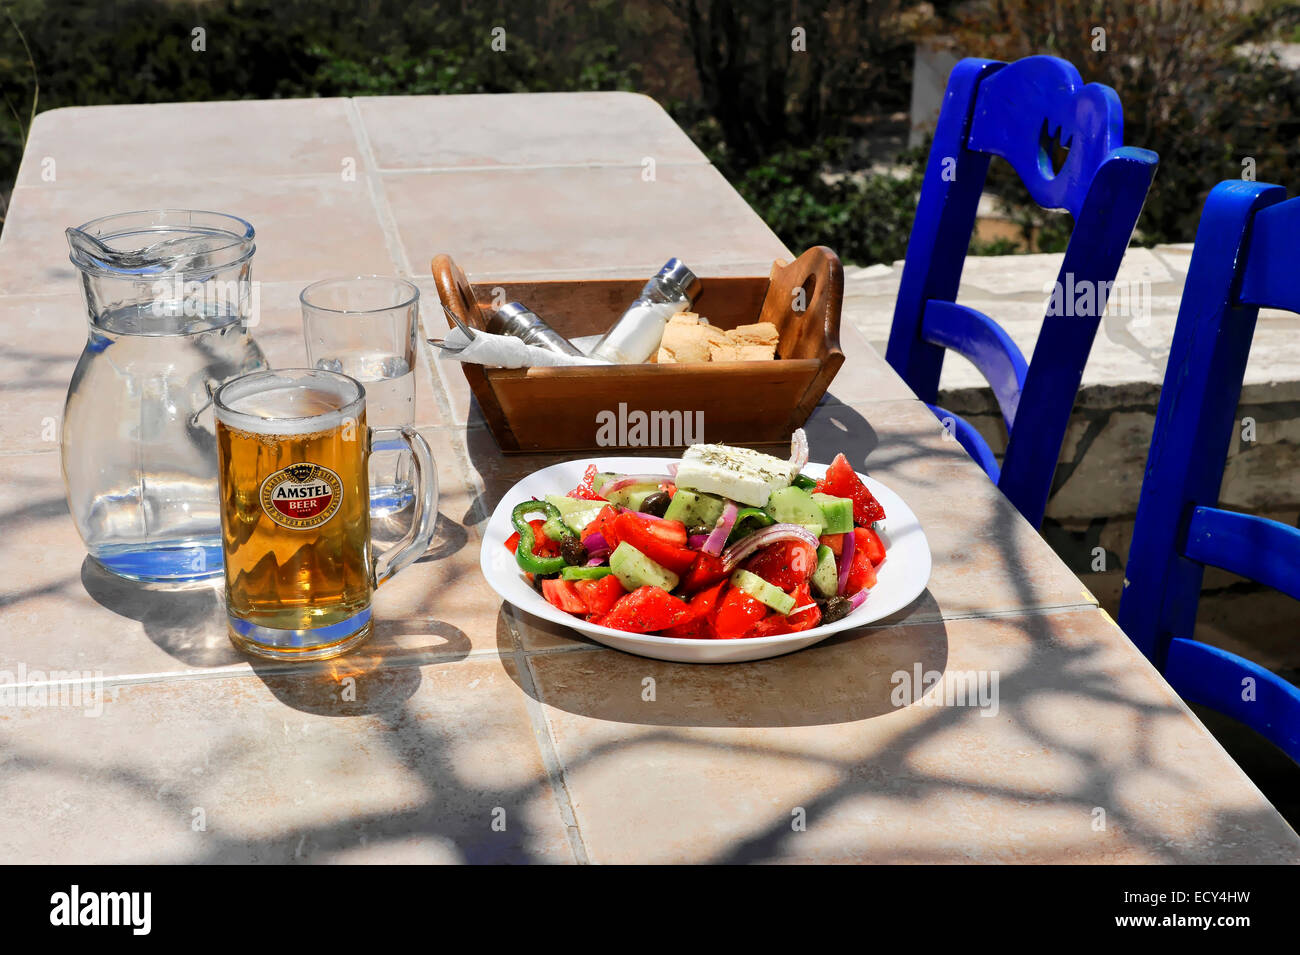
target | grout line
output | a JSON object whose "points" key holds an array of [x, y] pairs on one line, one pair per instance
{"points": [[543, 734], [243, 670], [378, 202], [397, 252]]}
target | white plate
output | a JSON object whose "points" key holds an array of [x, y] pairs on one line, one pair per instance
{"points": [[900, 579]]}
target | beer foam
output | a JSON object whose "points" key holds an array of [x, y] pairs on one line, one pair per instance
{"points": [[292, 403]]}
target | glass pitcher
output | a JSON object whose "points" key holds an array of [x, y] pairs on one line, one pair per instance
{"points": [[169, 296]]}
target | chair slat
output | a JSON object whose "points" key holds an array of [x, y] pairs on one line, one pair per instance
{"points": [[1271, 278], [1253, 547], [1238, 688], [970, 440], [976, 336]]}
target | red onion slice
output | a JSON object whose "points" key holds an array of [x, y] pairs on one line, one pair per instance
{"points": [[697, 541], [764, 536], [857, 599], [846, 560], [718, 538], [595, 562], [595, 541]]}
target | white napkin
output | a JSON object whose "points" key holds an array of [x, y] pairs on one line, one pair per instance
{"points": [[506, 351]]}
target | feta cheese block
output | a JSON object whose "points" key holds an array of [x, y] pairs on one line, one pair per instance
{"points": [[744, 475]]}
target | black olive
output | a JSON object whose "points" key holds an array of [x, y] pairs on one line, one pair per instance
{"points": [[837, 608], [656, 504], [573, 552], [700, 529]]}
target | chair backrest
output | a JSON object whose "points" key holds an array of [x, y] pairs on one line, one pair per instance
{"points": [[1026, 112], [1245, 258]]}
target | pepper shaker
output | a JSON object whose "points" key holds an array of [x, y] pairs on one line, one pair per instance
{"points": [[515, 319], [636, 335]]}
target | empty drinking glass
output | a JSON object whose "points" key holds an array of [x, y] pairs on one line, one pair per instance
{"points": [[365, 327]]}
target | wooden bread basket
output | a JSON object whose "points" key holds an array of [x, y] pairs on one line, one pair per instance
{"points": [[651, 405]]}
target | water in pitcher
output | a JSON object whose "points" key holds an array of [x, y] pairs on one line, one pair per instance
{"points": [[139, 445], [389, 381]]}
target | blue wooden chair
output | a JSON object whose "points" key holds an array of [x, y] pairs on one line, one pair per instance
{"points": [[1246, 258], [1025, 112]]}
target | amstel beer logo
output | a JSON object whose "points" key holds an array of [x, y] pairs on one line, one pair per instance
{"points": [[302, 496]]}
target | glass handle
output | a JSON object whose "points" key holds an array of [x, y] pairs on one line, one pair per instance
{"points": [[414, 544]]}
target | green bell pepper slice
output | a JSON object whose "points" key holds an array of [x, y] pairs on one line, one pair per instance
{"points": [[524, 555]]}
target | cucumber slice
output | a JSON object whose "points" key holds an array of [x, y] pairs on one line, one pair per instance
{"points": [[584, 573], [632, 496], [793, 505], [634, 569], [837, 513], [762, 591], [826, 578], [565, 504], [694, 508]]}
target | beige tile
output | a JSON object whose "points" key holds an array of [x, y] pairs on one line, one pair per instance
{"points": [[61, 611], [44, 336], [514, 129], [307, 226], [406, 764], [508, 221], [194, 141], [820, 757]]}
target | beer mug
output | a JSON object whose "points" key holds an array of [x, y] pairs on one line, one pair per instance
{"points": [[292, 456]]}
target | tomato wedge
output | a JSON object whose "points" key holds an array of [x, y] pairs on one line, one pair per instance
{"points": [[862, 574], [793, 623], [584, 491], [787, 564], [705, 572], [599, 595], [737, 612], [664, 542], [561, 593], [869, 542], [842, 481], [698, 622], [604, 525], [645, 610]]}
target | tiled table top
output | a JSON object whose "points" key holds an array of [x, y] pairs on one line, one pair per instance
{"points": [[466, 731]]}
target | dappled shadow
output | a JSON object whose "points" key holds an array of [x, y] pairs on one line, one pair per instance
{"points": [[187, 621], [739, 711]]}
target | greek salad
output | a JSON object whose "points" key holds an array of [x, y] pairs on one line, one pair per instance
{"points": [[732, 543]]}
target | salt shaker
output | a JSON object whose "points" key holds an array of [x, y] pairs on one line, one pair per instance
{"points": [[515, 319], [636, 335]]}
